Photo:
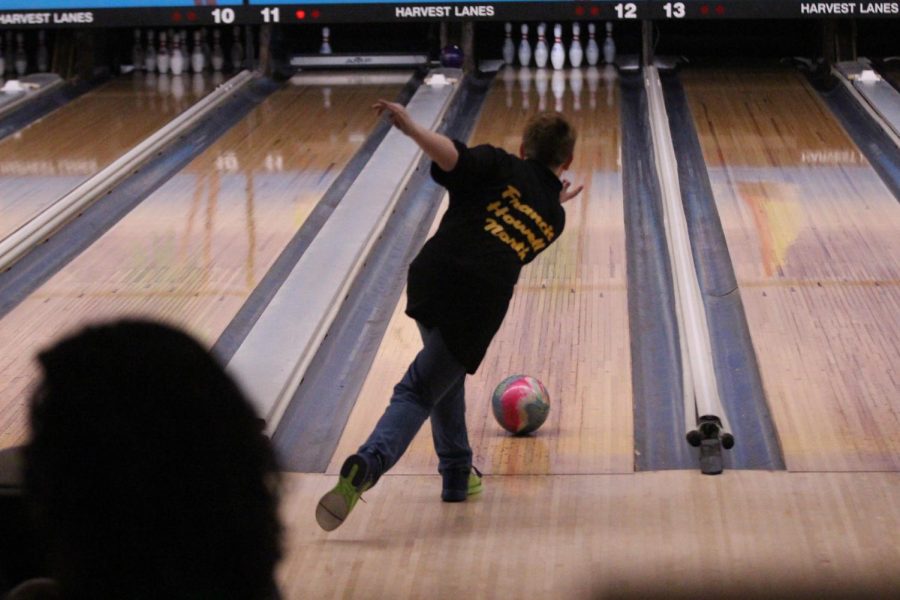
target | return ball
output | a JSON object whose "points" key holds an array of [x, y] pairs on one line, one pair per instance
{"points": [[452, 56], [521, 404]]}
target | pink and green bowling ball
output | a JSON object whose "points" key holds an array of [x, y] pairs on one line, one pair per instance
{"points": [[521, 404]]}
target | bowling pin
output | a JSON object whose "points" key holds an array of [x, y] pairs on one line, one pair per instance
{"points": [[524, 47], [592, 54], [21, 59], [237, 50], [197, 55], [325, 48], [137, 51], [43, 57], [525, 84], [217, 58], [204, 46], [541, 83], [558, 52], [558, 85], [162, 55], [609, 45], [177, 59], [150, 55], [577, 84], [593, 78], [184, 49], [509, 49], [540, 49], [576, 52]]}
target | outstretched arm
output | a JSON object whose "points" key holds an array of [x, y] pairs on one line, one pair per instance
{"points": [[568, 192], [438, 147]]}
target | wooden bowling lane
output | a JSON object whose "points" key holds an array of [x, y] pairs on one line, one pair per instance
{"points": [[813, 234], [666, 534], [192, 252], [55, 154], [567, 324]]}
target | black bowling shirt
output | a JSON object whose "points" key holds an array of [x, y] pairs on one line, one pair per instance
{"points": [[503, 212]]}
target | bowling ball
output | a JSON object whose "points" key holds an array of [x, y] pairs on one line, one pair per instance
{"points": [[521, 404], [452, 56]]}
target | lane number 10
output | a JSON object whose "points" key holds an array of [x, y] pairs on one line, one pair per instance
{"points": [[223, 15]]}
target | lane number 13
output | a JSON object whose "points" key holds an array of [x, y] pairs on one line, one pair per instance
{"points": [[674, 10]]}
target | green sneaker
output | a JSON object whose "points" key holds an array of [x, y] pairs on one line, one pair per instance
{"points": [[358, 474], [459, 484]]}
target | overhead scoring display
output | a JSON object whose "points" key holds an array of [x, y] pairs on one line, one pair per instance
{"points": [[524, 10], [111, 13], [93, 4]]}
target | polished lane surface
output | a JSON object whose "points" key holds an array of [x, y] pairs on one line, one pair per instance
{"points": [[192, 252], [53, 155], [636, 535], [568, 322], [813, 235], [751, 535]]}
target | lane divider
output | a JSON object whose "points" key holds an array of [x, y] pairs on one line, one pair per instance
{"points": [[45, 83], [658, 408], [48, 221], [272, 361], [878, 98], [706, 423], [241, 324]]}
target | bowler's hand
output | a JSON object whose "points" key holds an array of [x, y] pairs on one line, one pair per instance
{"points": [[397, 115], [567, 193]]}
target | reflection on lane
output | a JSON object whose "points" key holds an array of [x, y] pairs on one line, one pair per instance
{"points": [[191, 253], [55, 154], [567, 324], [812, 232]]}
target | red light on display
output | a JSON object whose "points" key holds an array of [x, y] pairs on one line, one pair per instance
{"points": [[595, 10], [176, 17], [579, 11], [316, 14], [300, 14], [191, 16], [704, 9], [720, 9]]}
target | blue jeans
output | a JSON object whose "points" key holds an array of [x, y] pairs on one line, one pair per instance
{"points": [[433, 386]]}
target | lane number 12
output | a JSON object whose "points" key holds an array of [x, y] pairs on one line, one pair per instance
{"points": [[627, 10]]}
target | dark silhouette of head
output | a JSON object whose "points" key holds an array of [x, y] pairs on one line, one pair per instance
{"points": [[148, 470], [549, 138]]}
